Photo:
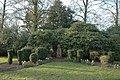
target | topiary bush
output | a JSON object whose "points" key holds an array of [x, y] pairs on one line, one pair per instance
{"points": [[71, 54], [14, 52], [20, 56], [26, 53], [3, 52], [104, 59], [117, 56], [111, 56], [42, 53], [10, 56], [94, 55], [34, 58], [79, 55]]}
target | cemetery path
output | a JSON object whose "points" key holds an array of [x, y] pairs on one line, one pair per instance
{"points": [[10, 67]]}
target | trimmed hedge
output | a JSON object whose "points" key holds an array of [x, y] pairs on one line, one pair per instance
{"points": [[79, 54], [42, 53], [3, 52], [20, 56], [71, 54], [26, 53], [94, 55], [104, 59], [10, 56], [34, 58], [111, 56]]}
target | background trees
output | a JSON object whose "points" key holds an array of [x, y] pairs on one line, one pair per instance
{"points": [[111, 7], [49, 23], [59, 16]]}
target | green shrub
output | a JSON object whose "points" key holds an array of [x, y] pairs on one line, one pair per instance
{"points": [[20, 56], [94, 55], [10, 56], [117, 56], [3, 52], [26, 53], [14, 52], [104, 59], [71, 54], [42, 53], [34, 58], [111, 56], [79, 55]]}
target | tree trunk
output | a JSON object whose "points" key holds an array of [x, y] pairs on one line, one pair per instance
{"points": [[3, 15], [35, 21], [86, 10], [116, 19]]}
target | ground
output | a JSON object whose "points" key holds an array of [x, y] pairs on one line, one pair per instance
{"points": [[5, 59], [61, 71]]}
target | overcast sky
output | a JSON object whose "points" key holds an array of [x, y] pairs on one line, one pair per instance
{"points": [[66, 2]]}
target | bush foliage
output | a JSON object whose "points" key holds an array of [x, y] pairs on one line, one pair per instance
{"points": [[104, 59], [10, 56], [42, 53], [26, 53], [20, 56], [34, 58]]}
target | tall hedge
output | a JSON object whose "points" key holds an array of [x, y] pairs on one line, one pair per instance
{"points": [[111, 56], [10, 56], [26, 53], [42, 53], [34, 58], [94, 55], [20, 56], [79, 54], [71, 53]]}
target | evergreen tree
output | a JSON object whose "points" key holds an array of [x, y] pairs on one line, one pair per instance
{"points": [[59, 16]]}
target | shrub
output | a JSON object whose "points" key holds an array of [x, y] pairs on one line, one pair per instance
{"points": [[34, 58], [26, 53], [111, 56], [14, 52], [117, 56], [20, 56], [79, 54], [42, 53], [94, 55], [69, 54], [104, 59], [3, 52], [10, 56]]}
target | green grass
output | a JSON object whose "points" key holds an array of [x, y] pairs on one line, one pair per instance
{"points": [[5, 59], [62, 71]]}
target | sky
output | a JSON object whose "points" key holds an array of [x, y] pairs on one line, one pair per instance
{"points": [[67, 3]]}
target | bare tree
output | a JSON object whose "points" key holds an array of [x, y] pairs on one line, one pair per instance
{"points": [[112, 6], [3, 14], [84, 8]]}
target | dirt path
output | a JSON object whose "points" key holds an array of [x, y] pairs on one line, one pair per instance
{"points": [[8, 67]]}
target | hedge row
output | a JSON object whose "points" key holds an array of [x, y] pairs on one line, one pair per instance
{"points": [[10, 56], [92, 55], [25, 54]]}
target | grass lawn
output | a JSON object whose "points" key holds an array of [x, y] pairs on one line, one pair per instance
{"points": [[5, 59], [62, 71]]}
